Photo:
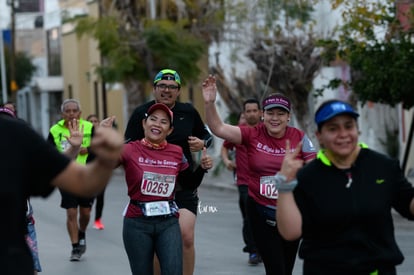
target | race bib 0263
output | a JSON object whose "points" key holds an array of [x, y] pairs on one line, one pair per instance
{"points": [[155, 184]]}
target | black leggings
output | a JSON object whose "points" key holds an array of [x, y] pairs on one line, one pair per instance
{"points": [[278, 254], [99, 205]]}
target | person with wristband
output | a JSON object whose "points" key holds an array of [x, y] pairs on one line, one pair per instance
{"points": [[340, 203], [190, 133], [153, 167], [265, 144]]}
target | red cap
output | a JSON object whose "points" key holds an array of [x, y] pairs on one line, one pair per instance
{"points": [[161, 106]]}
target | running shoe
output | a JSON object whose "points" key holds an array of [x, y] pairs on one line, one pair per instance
{"points": [[98, 225], [82, 246], [254, 259], [75, 255]]}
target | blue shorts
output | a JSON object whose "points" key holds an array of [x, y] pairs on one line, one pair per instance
{"points": [[31, 241]]}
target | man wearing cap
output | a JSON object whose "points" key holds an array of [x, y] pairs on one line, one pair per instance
{"points": [[265, 144], [191, 135], [341, 202]]}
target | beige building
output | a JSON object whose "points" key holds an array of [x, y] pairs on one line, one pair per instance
{"points": [[80, 56]]}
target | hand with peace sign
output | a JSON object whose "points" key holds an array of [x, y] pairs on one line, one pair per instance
{"points": [[291, 164], [288, 216]]}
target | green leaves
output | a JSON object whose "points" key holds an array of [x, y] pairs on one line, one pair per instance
{"points": [[380, 52], [23, 66], [134, 46], [383, 72]]}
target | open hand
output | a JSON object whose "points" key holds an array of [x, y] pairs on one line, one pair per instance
{"points": [[209, 89], [75, 133]]}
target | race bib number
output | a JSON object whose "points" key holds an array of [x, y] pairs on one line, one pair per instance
{"points": [[155, 184], [156, 208], [268, 187]]}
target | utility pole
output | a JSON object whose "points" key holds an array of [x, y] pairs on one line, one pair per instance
{"points": [[103, 84], [13, 85], [3, 70]]}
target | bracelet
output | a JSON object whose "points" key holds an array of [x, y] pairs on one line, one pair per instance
{"points": [[282, 185]]}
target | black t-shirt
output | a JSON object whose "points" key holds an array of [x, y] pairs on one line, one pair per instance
{"points": [[346, 214], [27, 166]]}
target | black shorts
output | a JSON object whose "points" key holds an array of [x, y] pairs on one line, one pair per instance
{"points": [[187, 199], [71, 201]]}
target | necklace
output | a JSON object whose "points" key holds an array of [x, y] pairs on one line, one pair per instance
{"points": [[349, 175], [154, 146]]}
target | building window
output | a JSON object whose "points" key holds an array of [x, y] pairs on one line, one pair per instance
{"points": [[30, 6], [53, 51]]}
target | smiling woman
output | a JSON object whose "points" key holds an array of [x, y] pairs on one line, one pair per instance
{"points": [[318, 209], [152, 169], [265, 145], [190, 133]]}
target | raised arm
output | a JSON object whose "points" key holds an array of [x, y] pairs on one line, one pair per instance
{"points": [[214, 122], [288, 216], [90, 179]]}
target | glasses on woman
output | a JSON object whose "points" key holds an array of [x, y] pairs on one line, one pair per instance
{"points": [[164, 87]]}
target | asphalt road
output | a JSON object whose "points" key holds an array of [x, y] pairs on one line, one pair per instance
{"points": [[218, 235]]}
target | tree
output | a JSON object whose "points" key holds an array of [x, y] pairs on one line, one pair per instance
{"points": [[136, 43], [376, 41], [285, 50], [23, 65]]}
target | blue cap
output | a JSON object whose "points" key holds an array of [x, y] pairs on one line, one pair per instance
{"points": [[167, 74], [333, 109]]}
